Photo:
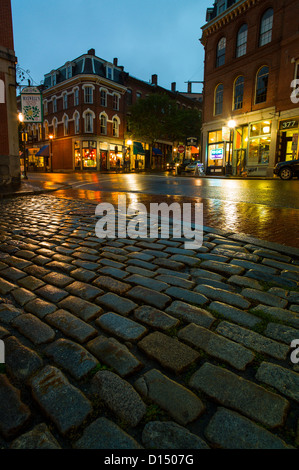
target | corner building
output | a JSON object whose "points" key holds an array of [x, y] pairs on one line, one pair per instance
{"points": [[251, 111]]}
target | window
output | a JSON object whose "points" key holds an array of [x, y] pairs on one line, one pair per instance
{"points": [[129, 97], [54, 101], [259, 143], [103, 118], [115, 127], [219, 99], [221, 7], [103, 98], [77, 123], [66, 125], [116, 102], [54, 80], [55, 124], [65, 101], [76, 97], [242, 41], [262, 85], [69, 71], [88, 94], [109, 72], [221, 47], [138, 96], [46, 130], [40, 132], [45, 108], [238, 93], [88, 122], [266, 27]]}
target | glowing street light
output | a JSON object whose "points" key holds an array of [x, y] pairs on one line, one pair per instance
{"points": [[51, 137]]}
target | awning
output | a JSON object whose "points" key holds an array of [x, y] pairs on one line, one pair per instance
{"points": [[138, 148], [157, 152], [43, 152]]}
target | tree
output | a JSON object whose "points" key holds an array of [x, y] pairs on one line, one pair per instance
{"points": [[158, 117]]}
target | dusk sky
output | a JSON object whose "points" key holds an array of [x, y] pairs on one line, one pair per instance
{"points": [[148, 37]]}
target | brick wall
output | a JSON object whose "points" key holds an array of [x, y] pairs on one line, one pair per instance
{"points": [[6, 33]]}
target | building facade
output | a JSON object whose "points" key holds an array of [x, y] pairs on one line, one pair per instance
{"points": [[251, 113], [9, 143]]}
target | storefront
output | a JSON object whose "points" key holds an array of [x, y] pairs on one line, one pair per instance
{"points": [[89, 155], [115, 157], [138, 161], [219, 152], [287, 142], [38, 159]]}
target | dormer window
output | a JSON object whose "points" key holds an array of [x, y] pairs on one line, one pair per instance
{"points": [[69, 71], [54, 79], [109, 73]]}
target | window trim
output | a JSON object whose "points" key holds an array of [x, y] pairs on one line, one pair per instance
{"points": [[234, 93], [256, 85], [219, 57], [267, 32], [239, 46]]}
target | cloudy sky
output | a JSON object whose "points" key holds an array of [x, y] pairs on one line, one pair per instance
{"points": [[148, 36]]}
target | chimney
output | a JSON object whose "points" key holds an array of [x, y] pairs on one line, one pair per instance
{"points": [[189, 87], [115, 61], [173, 87], [155, 79], [91, 52]]}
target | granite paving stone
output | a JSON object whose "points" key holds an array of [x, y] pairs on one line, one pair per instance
{"points": [[190, 314], [142, 264], [14, 414], [116, 303], [244, 281], [21, 361], [231, 298], [104, 434], [153, 284], [22, 296], [264, 298], [244, 396], [63, 403], [113, 285], [120, 397], [222, 268], [202, 273], [71, 326], [150, 296], [187, 296], [283, 380], [229, 430], [141, 271], [33, 328], [286, 316], [253, 340], [169, 352], [181, 404], [82, 308], [12, 274], [58, 279], [234, 314], [282, 333], [30, 282], [114, 354], [122, 327], [40, 307], [83, 290], [215, 284], [51, 293], [280, 265], [170, 435], [114, 272], [170, 272], [38, 438], [186, 260], [8, 313], [72, 357], [169, 264], [175, 281], [155, 318]]}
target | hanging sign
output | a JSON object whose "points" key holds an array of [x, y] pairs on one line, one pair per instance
{"points": [[31, 102]]}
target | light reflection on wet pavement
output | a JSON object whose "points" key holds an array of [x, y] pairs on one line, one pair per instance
{"points": [[260, 221]]}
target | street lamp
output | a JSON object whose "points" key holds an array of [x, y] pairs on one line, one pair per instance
{"points": [[232, 125], [51, 136], [24, 138], [129, 143]]}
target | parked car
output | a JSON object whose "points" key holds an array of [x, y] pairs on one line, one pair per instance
{"points": [[287, 170], [192, 166], [170, 166], [182, 165]]}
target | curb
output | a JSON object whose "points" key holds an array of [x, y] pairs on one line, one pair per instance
{"points": [[32, 193]]}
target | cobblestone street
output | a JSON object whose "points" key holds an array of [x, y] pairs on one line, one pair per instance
{"points": [[130, 344]]}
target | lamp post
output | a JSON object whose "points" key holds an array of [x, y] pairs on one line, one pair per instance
{"points": [[232, 125], [51, 136], [129, 146], [24, 139]]}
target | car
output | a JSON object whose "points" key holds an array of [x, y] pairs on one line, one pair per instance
{"points": [[192, 166], [170, 166], [182, 165], [287, 170]]}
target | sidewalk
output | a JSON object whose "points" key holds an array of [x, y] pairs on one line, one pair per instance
{"points": [[26, 189], [129, 344]]}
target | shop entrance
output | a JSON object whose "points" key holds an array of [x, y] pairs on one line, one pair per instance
{"points": [[288, 140], [287, 148], [103, 160]]}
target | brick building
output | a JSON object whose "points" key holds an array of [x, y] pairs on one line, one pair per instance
{"points": [[9, 144], [250, 121], [86, 104]]}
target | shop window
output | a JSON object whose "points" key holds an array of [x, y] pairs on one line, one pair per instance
{"points": [[221, 48], [242, 41], [103, 118], [219, 99], [262, 85], [238, 93], [103, 98], [266, 27], [88, 95], [259, 143]]}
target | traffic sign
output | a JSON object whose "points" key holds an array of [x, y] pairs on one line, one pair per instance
{"points": [[181, 148]]}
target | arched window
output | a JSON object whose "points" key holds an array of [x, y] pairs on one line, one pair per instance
{"points": [[46, 125], [66, 125], [103, 97], [262, 85], [242, 41], [238, 92], [55, 124], [221, 47], [115, 122], [103, 119], [219, 99], [76, 118], [266, 27], [88, 119]]}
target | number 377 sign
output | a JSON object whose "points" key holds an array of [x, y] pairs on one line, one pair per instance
{"points": [[31, 101]]}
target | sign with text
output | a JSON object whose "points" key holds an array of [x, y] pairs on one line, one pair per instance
{"points": [[217, 154], [181, 148], [31, 102]]}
